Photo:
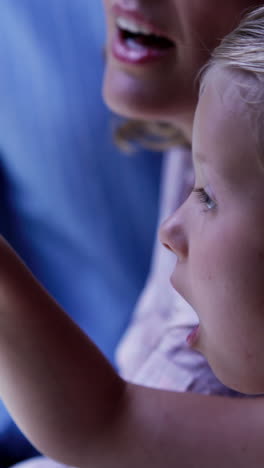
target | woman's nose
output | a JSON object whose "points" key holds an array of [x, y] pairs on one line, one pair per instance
{"points": [[173, 236]]}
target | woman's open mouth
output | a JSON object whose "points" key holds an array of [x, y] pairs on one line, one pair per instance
{"points": [[139, 43]]}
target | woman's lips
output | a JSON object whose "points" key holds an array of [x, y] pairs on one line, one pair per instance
{"points": [[132, 52], [136, 41], [138, 18]]}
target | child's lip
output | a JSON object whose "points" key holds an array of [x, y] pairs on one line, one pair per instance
{"points": [[193, 336]]}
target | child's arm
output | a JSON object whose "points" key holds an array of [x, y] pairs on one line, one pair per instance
{"points": [[74, 407]]}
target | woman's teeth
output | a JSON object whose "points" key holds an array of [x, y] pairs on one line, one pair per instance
{"points": [[130, 26], [138, 35]]}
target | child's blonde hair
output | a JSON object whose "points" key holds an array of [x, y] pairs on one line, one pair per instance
{"points": [[242, 51], [243, 48]]}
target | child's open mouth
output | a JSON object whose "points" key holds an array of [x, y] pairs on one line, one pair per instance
{"points": [[193, 336]]}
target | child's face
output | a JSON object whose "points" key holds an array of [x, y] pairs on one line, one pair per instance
{"points": [[218, 236]]}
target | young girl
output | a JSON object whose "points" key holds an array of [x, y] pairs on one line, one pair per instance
{"points": [[218, 233], [218, 237]]}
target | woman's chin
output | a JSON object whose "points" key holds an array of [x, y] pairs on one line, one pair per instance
{"points": [[119, 105], [128, 104], [132, 97]]}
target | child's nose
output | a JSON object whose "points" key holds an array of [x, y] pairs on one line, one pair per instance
{"points": [[173, 237]]}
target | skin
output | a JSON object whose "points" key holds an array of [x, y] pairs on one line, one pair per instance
{"points": [[166, 91], [218, 234], [95, 418], [86, 415]]}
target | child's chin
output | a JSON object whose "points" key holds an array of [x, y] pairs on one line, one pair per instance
{"points": [[250, 388], [237, 383]]}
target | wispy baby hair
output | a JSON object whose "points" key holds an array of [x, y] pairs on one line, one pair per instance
{"points": [[243, 48], [242, 51]]}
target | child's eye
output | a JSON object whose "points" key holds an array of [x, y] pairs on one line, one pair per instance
{"points": [[204, 198]]}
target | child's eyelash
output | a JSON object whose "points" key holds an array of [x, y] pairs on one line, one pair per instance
{"points": [[204, 198], [201, 194]]}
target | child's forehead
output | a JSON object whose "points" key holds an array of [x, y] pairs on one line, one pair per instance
{"points": [[225, 127], [231, 97], [233, 89], [219, 101]]}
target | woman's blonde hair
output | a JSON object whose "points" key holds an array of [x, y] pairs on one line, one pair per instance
{"points": [[157, 136]]}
